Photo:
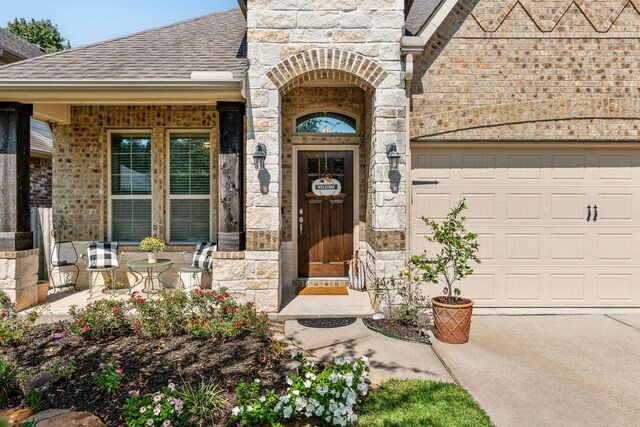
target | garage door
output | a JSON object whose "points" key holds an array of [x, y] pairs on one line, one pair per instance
{"points": [[530, 209]]}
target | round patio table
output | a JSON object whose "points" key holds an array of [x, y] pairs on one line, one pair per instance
{"points": [[153, 272]]}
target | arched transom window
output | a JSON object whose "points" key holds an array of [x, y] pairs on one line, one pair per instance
{"points": [[326, 123]]}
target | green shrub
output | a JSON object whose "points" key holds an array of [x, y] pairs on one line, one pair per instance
{"points": [[61, 368], [328, 395], [15, 327], [166, 314], [34, 399], [160, 409], [206, 314], [109, 376], [202, 403], [8, 379], [5, 301], [98, 319]]}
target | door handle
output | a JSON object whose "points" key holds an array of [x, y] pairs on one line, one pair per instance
{"points": [[588, 213], [595, 213], [300, 221]]}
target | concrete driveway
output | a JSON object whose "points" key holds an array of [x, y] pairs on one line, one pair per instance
{"points": [[551, 370], [523, 370]]}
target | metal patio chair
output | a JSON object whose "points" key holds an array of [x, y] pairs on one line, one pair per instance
{"points": [[200, 263], [102, 257]]}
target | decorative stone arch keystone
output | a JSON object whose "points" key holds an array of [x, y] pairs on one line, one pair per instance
{"points": [[327, 63]]}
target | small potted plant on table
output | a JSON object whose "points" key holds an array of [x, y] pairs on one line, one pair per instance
{"points": [[451, 313], [152, 245]]}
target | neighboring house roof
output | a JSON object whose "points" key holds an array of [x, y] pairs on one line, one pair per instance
{"points": [[215, 42], [17, 47], [419, 14], [41, 139]]}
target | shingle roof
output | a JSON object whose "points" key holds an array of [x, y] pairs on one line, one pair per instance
{"points": [[419, 14], [214, 42], [18, 46]]}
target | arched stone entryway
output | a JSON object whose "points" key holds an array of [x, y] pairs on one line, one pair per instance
{"points": [[329, 80]]}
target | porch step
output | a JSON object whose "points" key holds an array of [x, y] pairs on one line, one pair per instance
{"points": [[316, 282]]}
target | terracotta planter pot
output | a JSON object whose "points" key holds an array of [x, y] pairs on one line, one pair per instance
{"points": [[452, 322], [43, 291]]}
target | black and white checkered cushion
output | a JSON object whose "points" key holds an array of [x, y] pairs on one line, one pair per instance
{"points": [[102, 255], [202, 255]]}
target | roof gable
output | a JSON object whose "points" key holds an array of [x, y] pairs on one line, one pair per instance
{"points": [[420, 12], [17, 46]]}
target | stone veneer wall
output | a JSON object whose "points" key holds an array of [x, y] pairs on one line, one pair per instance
{"points": [[531, 70], [41, 185], [18, 277], [334, 39]]}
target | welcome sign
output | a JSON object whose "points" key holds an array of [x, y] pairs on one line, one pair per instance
{"points": [[326, 187]]}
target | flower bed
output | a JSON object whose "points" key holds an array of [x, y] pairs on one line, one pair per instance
{"points": [[117, 357], [398, 330]]}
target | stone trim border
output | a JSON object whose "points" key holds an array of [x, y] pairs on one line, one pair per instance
{"points": [[18, 254], [386, 240], [547, 18], [263, 240], [327, 63], [523, 112]]}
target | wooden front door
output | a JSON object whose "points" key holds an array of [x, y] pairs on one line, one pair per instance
{"points": [[324, 223]]}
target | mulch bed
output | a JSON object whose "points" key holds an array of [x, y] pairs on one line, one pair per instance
{"points": [[149, 364], [397, 329]]}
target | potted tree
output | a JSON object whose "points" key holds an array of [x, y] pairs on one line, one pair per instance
{"points": [[451, 313], [152, 245]]}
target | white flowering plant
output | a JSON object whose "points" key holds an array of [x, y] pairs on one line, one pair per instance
{"points": [[162, 409], [326, 394]]}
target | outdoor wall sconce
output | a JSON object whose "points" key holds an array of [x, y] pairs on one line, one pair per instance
{"points": [[259, 156], [393, 156]]}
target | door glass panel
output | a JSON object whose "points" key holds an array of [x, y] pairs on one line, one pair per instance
{"points": [[317, 166]]}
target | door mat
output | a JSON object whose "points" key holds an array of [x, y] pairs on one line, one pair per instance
{"points": [[322, 290], [328, 322]]}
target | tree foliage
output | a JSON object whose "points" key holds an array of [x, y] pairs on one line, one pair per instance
{"points": [[42, 33], [458, 248]]}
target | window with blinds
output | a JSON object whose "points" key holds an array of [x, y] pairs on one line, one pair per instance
{"points": [[130, 196], [189, 187]]}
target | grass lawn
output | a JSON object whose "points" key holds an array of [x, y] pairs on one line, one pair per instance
{"points": [[407, 403]]}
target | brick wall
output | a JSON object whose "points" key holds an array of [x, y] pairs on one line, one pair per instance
{"points": [[81, 164], [501, 69], [40, 176]]}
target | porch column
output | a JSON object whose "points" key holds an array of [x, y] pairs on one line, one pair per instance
{"points": [[15, 234], [18, 259], [231, 230]]}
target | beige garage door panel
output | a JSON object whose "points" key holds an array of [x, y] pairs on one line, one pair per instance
{"points": [[529, 208]]}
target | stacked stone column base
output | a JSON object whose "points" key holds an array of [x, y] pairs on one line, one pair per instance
{"points": [[19, 276]]}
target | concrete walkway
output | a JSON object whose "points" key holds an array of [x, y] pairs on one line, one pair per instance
{"points": [[389, 358], [523, 370], [356, 304]]}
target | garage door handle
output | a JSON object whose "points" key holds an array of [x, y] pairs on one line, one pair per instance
{"points": [[595, 213], [588, 213]]}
